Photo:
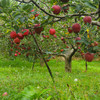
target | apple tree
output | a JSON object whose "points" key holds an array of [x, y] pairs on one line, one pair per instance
{"points": [[43, 28]]}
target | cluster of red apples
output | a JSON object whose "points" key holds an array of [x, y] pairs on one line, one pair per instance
{"points": [[76, 29], [38, 29], [16, 39]]}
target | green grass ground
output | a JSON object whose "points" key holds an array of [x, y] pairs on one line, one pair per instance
{"points": [[17, 74]]}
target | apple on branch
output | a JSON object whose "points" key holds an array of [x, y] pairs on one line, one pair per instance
{"points": [[52, 31], [87, 19], [76, 28], [56, 9], [89, 56]]}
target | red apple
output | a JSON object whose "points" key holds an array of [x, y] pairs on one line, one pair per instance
{"points": [[54, 51], [44, 36], [67, 46], [25, 32], [15, 54], [36, 15], [89, 56], [13, 35], [53, 57], [17, 40], [18, 48], [64, 25], [38, 28], [52, 31], [19, 53], [11, 49], [24, 48], [48, 60], [77, 39], [62, 38], [79, 48], [20, 36], [87, 19], [28, 48], [76, 28], [32, 10], [47, 36], [64, 41], [95, 43], [33, 32], [62, 50], [27, 54], [70, 30], [55, 35], [82, 54], [16, 51], [22, 43], [56, 9], [11, 45], [5, 94]]}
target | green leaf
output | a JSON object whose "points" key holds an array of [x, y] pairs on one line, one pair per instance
{"points": [[49, 98], [22, 19], [43, 92], [3, 17], [0, 10], [27, 8], [5, 3], [78, 8], [90, 5]]}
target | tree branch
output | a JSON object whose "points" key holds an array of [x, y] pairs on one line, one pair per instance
{"points": [[55, 54], [95, 23], [68, 15]]}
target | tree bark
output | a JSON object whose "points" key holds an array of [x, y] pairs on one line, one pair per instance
{"points": [[68, 59], [68, 64]]}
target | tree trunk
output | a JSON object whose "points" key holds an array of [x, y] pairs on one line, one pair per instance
{"points": [[68, 64], [68, 59]]}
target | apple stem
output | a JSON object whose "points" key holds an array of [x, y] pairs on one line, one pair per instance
{"points": [[44, 59]]}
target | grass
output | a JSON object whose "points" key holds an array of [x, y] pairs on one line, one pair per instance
{"points": [[17, 74]]}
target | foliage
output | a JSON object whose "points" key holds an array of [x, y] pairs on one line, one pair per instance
{"points": [[29, 93], [18, 16]]}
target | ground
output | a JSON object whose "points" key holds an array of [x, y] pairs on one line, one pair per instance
{"points": [[17, 74]]}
